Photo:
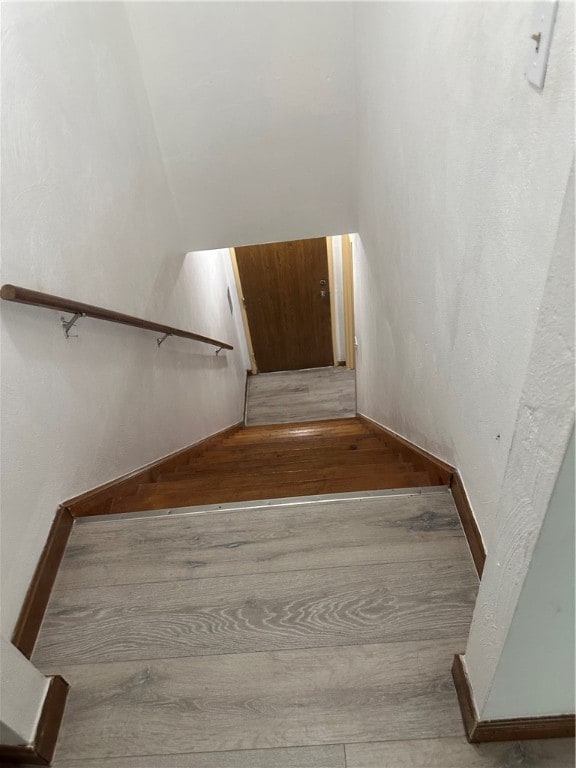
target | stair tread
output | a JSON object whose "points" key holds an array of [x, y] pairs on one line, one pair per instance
{"points": [[252, 435], [282, 462], [300, 451], [270, 475], [298, 445], [323, 425], [239, 480]]}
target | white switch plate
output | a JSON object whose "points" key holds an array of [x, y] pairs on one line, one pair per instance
{"points": [[541, 29]]}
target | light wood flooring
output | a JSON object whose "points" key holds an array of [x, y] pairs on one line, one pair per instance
{"points": [[310, 395], [296, 636]]}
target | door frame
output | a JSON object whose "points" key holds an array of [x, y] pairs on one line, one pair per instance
{"points": [[330, 256], [253, 366], [348, 291]]}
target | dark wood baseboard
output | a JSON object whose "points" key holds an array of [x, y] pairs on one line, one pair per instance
{"points": [[93, 502], [443, 470], [464, 693], [449, 475], [469, 524], [513, 729], [245, 411], [41, 751], [38, 594], [97, 501]]}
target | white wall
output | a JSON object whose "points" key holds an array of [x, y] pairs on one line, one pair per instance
{"points": [[23, 690], [536, 669], [463, 167], [524, 582], [254, 107], [87, 214]]}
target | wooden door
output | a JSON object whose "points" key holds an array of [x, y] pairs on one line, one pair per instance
{"points": [[287, 300]]}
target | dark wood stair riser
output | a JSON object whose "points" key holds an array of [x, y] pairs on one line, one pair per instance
{"points": [[287, 475], [271, 438], [277, 467], [304, 443], [160, 499], [271, 461]]}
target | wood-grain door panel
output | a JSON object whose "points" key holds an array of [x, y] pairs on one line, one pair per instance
{"points": [[289, 318]]}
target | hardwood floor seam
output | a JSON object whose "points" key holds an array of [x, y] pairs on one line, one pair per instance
{"points": [[144, 660], [213, 752], [299, 650], [124, 755], [434, 752], [223, 752], [376, 603], [461, 559], [283, 699]]}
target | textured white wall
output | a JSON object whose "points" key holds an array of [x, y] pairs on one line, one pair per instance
{"points": [[23, 690], [87, 214], [254, 107], [536, 669], [544, 423], [463, 167]]}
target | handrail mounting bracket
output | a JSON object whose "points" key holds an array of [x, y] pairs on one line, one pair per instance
{"points": [[162, 338], [67, 325]]}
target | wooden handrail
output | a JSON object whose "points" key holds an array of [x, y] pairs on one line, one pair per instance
{"points": [[46, 300]]}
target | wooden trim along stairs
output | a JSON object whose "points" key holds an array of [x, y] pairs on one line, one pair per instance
{"points": [[94, 502], [513, 729], [469, 524], [446, 474], [36, 600], [41, 751], [443, 470], [98, 500]]}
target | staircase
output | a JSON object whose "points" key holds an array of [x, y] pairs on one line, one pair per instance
{"points": [[282, 460]]}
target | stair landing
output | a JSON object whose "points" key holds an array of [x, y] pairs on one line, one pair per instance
{"points": [[289, 396]]}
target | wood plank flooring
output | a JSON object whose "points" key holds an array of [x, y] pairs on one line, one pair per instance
{"points": [[260, 612], [310, 395], [307, 636], [259, 700], [457, 753], [450, 752], [356, 532], [331, 756]]}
